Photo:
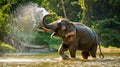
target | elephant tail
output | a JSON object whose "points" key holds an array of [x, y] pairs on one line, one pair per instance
{"points": [[101, 54]]}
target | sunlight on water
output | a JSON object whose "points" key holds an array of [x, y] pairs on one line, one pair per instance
{"points": [[53, 60], [24, 19]]}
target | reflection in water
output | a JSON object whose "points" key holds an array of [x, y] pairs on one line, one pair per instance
{"points": [[52, 60]]}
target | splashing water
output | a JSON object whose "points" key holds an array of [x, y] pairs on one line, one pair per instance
{"points": [[24, 19]]}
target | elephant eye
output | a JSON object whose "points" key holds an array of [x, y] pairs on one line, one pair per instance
{"points": [[59, 25], [68, 27]]}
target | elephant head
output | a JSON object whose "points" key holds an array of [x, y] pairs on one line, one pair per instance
{"points": [[61, 28]]}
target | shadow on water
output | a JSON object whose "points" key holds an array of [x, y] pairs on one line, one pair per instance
{"points": [[52, 60]]}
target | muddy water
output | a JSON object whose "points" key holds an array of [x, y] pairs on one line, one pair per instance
{"points": [[53, 60]]}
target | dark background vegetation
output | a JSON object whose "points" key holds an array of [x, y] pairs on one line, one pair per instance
{"points": [[101, 15]]}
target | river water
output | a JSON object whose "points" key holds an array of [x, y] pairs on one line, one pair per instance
{"points": [[53, 60]]}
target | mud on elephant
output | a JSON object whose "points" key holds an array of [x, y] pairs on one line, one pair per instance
{"points": [[75, 36]]}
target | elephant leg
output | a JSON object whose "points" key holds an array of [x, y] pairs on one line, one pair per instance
{"points": [[72, 51], [93, 51], [85, 54], [61, 50]]}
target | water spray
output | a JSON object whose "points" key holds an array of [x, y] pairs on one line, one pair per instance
{"points": [[24, 20]]}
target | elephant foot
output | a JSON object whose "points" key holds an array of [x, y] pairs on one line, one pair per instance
{"points": [[65, 57], [85, 57], [85, 54]]}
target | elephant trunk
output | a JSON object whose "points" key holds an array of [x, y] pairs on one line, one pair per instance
{"points": [[47, 27]]}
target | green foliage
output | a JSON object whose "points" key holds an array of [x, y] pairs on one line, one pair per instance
{"points": [[109, 31], [42, 38], [4, 16], [5, 48], [73, 9], [106, 9]]}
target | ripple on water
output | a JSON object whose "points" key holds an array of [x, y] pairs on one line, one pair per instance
{"points": [[49, 61]]}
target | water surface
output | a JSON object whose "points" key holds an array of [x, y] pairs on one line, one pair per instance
{"points": [[53, 60]]}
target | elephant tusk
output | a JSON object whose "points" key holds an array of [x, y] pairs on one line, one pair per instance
{"points": [[52, 35], [39, 29]]}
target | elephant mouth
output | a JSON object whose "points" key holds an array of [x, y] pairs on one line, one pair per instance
{"points": [[55, 34]]}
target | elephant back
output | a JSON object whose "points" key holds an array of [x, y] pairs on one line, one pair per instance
{"points": [[86, 36]]}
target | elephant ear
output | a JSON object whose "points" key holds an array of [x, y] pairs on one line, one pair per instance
{"points": [[71, 32]]}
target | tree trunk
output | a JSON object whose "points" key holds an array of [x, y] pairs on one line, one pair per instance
{"points": [[87, 10]]}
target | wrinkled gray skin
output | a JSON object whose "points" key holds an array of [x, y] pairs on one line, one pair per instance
{"points": [[75, 36]]}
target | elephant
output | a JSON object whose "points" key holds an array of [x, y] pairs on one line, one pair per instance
{"points": [[75, 36]]}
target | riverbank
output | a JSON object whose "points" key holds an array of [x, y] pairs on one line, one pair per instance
{"points": [[110, 50]]}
